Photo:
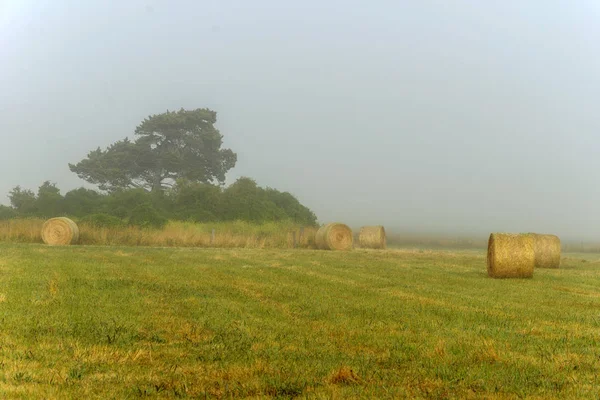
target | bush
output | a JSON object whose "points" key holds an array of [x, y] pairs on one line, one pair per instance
{"points": [[7, 213], [122, 203], [23, 201], [82, 202], [292, 207], [245, 200], [187, 201], [102, 221], [196, 202], [146, 216], [49, 202], [202, 216]]}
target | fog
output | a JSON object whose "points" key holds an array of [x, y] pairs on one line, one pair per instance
{"points": [[461, 117]]}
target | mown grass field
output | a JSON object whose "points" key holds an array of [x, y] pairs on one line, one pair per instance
{"points": [[130, 322]]}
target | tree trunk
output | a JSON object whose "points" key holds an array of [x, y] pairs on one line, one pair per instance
{"points": [[157, 183]]}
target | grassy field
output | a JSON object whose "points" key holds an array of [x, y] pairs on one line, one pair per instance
{"points": [[131, 322]]}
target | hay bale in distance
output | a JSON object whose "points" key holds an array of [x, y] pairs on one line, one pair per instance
{"points": [[372, 237], [334, 236], [60, 232], [510, 255], [547, 251]]}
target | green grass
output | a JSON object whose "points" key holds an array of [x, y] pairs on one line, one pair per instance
{"points": [[102, 322]]}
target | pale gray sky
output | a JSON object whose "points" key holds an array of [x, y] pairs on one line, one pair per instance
{"points": [[456, 116]]}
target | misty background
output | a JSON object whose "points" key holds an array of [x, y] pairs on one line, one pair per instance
{"points": [[428, 116]]}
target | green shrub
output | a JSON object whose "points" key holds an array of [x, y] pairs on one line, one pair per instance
{"points": [[7, 213], [243, 200], [49, 202], [195, 202], [202, 216], [122, 202], [82, 202], [102, 221], [146, 216]]}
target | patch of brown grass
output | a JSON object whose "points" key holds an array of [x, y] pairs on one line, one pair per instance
{"points": [[440, 349], [486, 353], [344, 376], [52, 288]]}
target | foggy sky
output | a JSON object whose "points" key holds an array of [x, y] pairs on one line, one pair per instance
{"points": [[451, 116]]}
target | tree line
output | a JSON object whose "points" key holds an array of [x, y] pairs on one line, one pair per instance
{"points": [[174, 169], [186, 201]]}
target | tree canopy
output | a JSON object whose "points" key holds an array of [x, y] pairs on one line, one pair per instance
{"points": [[174, 145]]}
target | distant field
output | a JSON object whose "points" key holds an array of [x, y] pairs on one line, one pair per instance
{"points": [[129, 322]]}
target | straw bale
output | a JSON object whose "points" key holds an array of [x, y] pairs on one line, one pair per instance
{"points": [[372, 237], [547, 251], [334, 236], [510, 255], [60, 231]]}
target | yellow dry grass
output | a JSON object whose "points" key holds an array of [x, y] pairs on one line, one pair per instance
{"points": [[21, 230]]}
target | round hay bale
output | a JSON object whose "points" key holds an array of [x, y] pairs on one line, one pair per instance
{"points": [[547, 251], [60, 231], [334, 236], [372, 237], [510, 255]]}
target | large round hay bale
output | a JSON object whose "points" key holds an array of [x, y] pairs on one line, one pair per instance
{"points": [[372, 237], [510, 255], [60, 231], [334, 236], [547, 251]]}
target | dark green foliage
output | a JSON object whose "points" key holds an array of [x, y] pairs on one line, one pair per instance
{"points": [[47, 204], [164, 203], [23, 201], [49, 201], [120, 203], [81, 202], [244, 200], [169, 171], [102, 221], [291, 207], [198, 202], [146, 216], [7, 213], [174, 145], [120, 166]]}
